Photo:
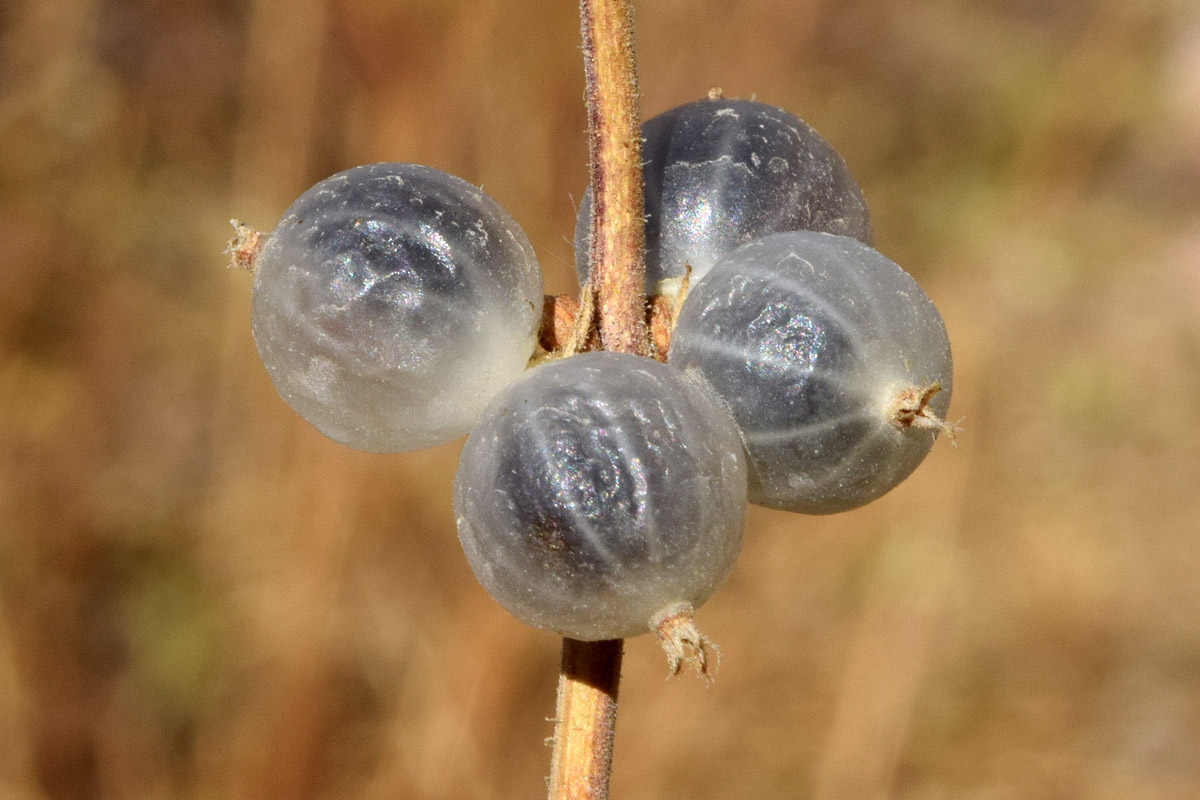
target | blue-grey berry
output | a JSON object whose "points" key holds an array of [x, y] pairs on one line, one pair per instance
{"points": [[599, 492], [719, 173], [392, 302], [836, 366]]}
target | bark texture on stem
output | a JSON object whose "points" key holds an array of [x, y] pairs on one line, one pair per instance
{"points": [[585, 719], [617, 258]]}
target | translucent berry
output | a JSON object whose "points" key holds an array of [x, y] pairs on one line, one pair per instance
{"points": [[836, 366], [391, 302], [720, 173], [601, 492]]}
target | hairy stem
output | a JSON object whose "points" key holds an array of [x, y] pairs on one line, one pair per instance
{"points": [[591, 671], [585, 720], [617, 259]]}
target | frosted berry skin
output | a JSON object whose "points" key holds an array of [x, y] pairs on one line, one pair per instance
{"points": [[719, 173], [599, 490], [392, 302], [809, 337]]}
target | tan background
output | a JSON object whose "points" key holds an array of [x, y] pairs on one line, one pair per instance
{"points": [[202, 598]]}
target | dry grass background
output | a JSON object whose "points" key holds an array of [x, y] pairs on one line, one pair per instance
{"points": [[202, 598]]}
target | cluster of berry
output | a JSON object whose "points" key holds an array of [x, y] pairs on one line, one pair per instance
{"points": [[396, 307]]}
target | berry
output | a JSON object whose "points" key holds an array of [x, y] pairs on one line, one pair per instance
{"points": [[600, 493], [719, 173], [835, 364], [391, 302]]}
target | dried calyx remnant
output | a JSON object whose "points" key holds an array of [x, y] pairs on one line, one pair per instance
{"points": [[908, 407], [683, 642], [245, 245]]}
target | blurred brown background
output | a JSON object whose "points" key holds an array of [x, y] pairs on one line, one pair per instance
{"points": [[202, 598]]}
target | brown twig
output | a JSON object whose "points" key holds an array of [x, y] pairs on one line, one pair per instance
{"points": [[585, 719], [590, 673], [617, 265]]}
